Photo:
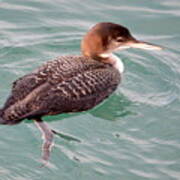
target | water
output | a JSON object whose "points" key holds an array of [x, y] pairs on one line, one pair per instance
{"points": [[134, 135]]}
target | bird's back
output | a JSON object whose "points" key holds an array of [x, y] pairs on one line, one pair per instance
{"points": [[66, 84]]}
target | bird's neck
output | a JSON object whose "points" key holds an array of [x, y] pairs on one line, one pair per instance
{"points": [[114, 60]]}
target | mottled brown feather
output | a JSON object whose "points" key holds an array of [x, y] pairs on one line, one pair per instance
{"points": [[66, 84]]}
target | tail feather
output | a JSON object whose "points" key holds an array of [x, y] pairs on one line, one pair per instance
{"points": [[17, 112], [2, 121], [6, 120]]}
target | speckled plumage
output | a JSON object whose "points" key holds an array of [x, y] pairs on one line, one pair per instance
{"points": [[66, 84]]}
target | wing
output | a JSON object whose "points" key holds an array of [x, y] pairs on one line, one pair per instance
{"points": [[31, 94], [79, 93], [54, 72]]}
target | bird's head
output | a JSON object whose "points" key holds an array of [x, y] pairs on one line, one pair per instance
{"points": [[105, 38]]}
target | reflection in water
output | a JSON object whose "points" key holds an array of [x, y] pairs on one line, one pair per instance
{"points": [[114, 108], [66, 136]]}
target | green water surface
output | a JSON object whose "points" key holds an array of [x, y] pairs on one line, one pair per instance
{"points": [[135, 134]]}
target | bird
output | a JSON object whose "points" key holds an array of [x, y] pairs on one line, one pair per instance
{"points": [[71, 83]]}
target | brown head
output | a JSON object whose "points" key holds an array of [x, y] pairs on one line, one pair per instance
{"points": [[106, 37]]}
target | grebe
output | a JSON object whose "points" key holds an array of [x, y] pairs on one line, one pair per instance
{"points": [[71, 83]]}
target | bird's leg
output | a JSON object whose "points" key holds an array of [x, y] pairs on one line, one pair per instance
{"points": [[47, 136]]}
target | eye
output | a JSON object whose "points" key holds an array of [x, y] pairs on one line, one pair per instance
{"points": [[119, 39]]}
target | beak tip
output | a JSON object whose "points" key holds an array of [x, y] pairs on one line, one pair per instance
{"points": [[160, 48]]}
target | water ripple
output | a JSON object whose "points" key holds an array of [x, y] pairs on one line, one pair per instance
{"points": [[132, 135]]}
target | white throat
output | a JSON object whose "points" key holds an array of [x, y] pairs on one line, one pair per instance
{"points": [[115, 61]]}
